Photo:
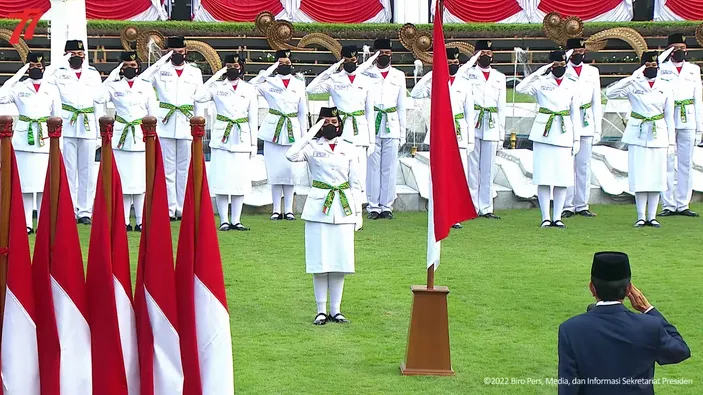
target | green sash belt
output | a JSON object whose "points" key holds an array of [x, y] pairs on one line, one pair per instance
{"points": [[230, 123], [383, 113], [78, 111], [330, 196], [647, 119], [128, 126], [550, 121], [483, 110], [585, 113], [30, 131], [354, 114], [457, 117], [281, 120], [682, 105], [186, 109]]}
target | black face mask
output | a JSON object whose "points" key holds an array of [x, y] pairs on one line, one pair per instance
{"points": [[284, 69], [177, 58], [349, 67], [678, 56], [329, 131], [484, 61], [130, 72], [577, 59], [453, 68], [36, 73], [558, 71], [650, 72], [233, 74], [75, 62], [383, 60]]}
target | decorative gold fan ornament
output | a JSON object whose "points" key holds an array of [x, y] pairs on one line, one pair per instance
{"points": [[279, 33], [419, 43]]}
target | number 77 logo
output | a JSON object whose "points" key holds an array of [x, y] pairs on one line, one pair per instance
{"points": [[32, 15]]}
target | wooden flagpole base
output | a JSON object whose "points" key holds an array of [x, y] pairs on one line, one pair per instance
{"points": [[428, 337]]}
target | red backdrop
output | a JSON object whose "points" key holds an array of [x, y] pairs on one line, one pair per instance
{"points": [[115, 9], [691, 10], [352, 11], [240, 10], [10, 7], [482, 11], [582, 9]]}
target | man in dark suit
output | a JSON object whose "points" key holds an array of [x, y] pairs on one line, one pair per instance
{"points": [[610, 350]]}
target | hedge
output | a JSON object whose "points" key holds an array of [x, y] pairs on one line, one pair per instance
{"points": [[366, 30]]}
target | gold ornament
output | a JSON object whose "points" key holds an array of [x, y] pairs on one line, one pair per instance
{"points": [[419, 43]]}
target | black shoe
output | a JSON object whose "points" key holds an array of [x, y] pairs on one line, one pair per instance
{"points": [[239, 227], [276, 217], [224, 227], [653, 223], [491, 216], [567, 214], [373, 215], [129, 228], [457, 226], [386, 215], [173, 219], [30, 231], [667, 213], [339, 319], [84, 221], [640, 223], [586, 213], [688, 213], [290, 217], [546, 224], [320, 319], [138, 228], [559, 224], [700, 144]]}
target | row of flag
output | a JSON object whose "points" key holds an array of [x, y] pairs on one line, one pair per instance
{"points": [[69, 333]]}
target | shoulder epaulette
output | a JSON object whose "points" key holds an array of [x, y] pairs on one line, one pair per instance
{"points": [[92, 68]]}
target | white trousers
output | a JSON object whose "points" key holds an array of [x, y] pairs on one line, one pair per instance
{"points": [[679, 176], [28, 201], [381, 175], [481, 173], [79, 156], [363, 165], [138, 202], [578, 195], [176, 155]]}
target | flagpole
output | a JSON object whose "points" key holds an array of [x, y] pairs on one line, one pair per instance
{"points": [[149, 130], [197, 130], [5, 196], [106, 127], [54, 125]]}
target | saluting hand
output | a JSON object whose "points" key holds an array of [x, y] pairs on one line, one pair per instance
{"points": [[638, 300]]}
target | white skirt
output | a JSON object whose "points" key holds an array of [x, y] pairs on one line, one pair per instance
{"points": [[31, 167], [279, 170], [132, 168], [646, 169], [329, 248], [230, 173], [552, 165]]}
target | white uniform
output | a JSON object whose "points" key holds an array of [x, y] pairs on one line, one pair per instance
{"points": [[687, 100], [173, 126], [590, 121], [489, 99], [647, 138], [462, 108], [132, 103], [30, 139], [79, 131], [389, 95], [329, 223]]}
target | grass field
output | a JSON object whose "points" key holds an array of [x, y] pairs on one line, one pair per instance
{"points": [[511, 285]]}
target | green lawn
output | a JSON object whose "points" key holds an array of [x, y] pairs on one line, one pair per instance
{"points": [[511, 285]]}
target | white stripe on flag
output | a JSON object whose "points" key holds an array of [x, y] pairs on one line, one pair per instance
{"points": [[433, 246], [168, 371], [128, 337], [20, 361]]}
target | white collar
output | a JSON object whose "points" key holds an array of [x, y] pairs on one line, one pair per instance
{"points": [[181, 67], [611, 303], [384, 70], [77, 70], [284, 77], [233, 83], [678, 64], [35, 82], [575, 65], [484, 70]]}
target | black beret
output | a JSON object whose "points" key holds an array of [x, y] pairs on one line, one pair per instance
{"points": [[283, 53], [74, 45], [328, 112], [452, 53], [574, 43], [557, 56], [676, 38], [35, 57], [349, 51], [176, 42], [128, 56], [382, 43], [650, 56], [483, 45], [611, 266]]}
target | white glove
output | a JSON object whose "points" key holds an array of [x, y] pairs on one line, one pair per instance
{"points": [[671, 151], [332, 69], [368, 64], [470, 147], [254, 150], [638, 71], [402, 143], [370, 149], [543, 70], [597, 137], [501, 144], [114, 74], [270, 70], [146, 75], [15, 78], [216, 76], [359, 220], [473, 59], [576, 148], [162, 61]]}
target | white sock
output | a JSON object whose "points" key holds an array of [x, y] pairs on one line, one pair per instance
{"points": [[641, 203], [559, 200], [237, 204], [222, 204], [276, 193], [543, 199], [336, 289], [652, 205], [127, 202], [138, 207], [288, 198], [39, 198], [28, 201], [319, 285]]}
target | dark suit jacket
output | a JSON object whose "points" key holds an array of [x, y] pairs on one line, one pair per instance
{"points": [[613, 343]]}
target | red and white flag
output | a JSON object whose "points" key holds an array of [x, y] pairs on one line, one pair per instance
{"points": [[63, 334], [450, 201], [155, 296], [206, 343], [109, 285], [19, 359]]}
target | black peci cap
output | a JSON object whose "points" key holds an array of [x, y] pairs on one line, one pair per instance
{"points": [[650, 56], [611, 266], [35, 57], [349, 51], [676, 38], [382, 43], [74, 45], [128, 56], [574, 43], [176, 42], [557, 56], [452, 53], [483, 45]]}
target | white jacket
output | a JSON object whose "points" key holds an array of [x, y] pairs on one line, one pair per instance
{"points": [[177, 91], [288, 101], [556, 98], [34, 105], [79, 94], [486, 94], [686, 86], [588, 95], [462, 106], [649, 102], [234, 104], [333, 168], [387, 93], [350, 97]]}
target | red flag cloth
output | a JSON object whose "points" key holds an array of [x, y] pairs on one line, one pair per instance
{"points": [[63, 334], [19, 361], [155, 296], [203, 319], [450, 188], [109, 286]]}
